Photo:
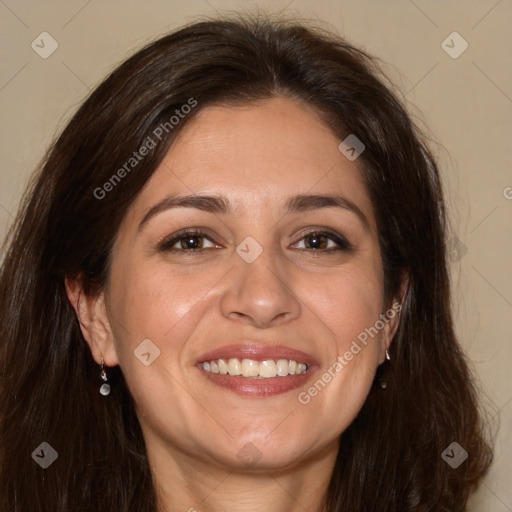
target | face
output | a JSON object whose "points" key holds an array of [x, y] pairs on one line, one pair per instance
{"points": [[276, 283]]}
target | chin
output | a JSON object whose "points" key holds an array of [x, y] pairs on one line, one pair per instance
{"points": [[251, 459], [263, 452]]}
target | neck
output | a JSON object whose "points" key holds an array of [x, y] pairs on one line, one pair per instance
{"points": [[185, 483]]}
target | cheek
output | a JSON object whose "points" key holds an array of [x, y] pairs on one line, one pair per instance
{"points": [[163, 306], [156, 303], [348, 301], [349, 308]]}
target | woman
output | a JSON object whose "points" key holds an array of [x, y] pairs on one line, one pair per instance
{"points": [[227, 289]]}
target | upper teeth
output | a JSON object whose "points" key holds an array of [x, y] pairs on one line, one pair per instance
{"points": [[252, 368]]}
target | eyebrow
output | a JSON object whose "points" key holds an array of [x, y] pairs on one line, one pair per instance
{"points": [[221, 205]]}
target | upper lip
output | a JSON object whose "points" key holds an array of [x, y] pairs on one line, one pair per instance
{"points": [[257, 351]]}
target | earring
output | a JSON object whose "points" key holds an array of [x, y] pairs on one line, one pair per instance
{"points": [[105, 388], [382, 383]]}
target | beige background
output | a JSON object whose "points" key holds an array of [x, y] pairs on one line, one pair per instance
{"points": [[465, 102]]}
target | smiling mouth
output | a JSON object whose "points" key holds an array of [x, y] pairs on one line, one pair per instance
{"points": [[254, 369]]}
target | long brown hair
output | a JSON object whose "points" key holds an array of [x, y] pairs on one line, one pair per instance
{"points": [[390, 456]]}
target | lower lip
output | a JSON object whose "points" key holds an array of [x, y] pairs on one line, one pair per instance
{"points": [[259, 387]]}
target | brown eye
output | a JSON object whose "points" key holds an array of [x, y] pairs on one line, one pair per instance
{"points": [[191, 242], [324, 241], [316, 241], [187, 241]]}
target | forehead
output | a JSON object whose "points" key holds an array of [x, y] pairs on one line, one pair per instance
{"points": [[257, 155]]}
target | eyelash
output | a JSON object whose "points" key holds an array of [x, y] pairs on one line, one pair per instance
{"points": [[166, 244]]}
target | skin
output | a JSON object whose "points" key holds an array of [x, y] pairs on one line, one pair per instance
{"points": [[257, 156]]}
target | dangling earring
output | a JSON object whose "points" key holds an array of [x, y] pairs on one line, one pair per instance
{"points": [[105, 387], [382, 383]]}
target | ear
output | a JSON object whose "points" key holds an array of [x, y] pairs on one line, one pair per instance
{"points": [[94, 323], [391, 316]]}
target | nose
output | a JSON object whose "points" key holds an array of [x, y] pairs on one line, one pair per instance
{"points": [[260, 293]]}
